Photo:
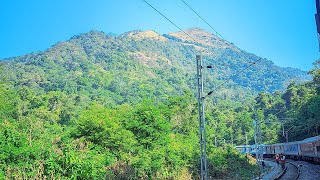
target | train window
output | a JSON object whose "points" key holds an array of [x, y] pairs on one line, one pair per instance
{"points": [[318, 148], [307, 148]]}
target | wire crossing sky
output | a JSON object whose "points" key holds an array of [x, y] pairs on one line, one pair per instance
{"points": [[237, 73], [279, 30], [216, 32]]}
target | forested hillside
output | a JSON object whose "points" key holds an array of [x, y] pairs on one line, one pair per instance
{"points": [[124, 107], [127, 67], [297, 109]]}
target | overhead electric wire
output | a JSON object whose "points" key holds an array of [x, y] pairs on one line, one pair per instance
{"points": [[170, 21], [202, 19], [239, 72], [223, 39]]}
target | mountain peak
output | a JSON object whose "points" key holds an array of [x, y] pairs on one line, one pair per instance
{"points": [[91, 34], [197, 30], [201, 36], [148, 34]]}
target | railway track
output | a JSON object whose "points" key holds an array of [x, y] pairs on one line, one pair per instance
{"points": [[295, 170], [307, 170], [291, 172]]}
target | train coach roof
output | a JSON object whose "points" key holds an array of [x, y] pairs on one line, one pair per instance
{"points": [[242, 146], [312, 139], [283, 144], [277, 144], [293, 143]]}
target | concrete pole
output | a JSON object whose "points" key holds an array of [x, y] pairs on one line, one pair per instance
{"points": [[203, 155], [215, 142], [246, 139], [247, 143], [231, 138]]}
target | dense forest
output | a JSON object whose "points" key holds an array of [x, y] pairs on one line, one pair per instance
{"points": [[297, 109], [124, 107]]}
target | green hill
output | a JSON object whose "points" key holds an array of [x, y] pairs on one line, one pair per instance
{"points": [[136, 64], [124, 107]]}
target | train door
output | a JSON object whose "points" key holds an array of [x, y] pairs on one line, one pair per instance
{"points": [[307, 150], [317, 150]]}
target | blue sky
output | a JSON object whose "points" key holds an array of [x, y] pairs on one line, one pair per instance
{"points": [[280, 30]]}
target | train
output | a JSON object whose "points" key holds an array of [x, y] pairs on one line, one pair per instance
{"points": [[307, 149]]}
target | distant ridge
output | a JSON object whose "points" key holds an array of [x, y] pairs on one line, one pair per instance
{"points": [[140, 63]]}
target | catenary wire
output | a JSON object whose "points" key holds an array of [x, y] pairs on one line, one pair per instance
{"points": [[202, 19], [221, 38], [237, 73], [170, 21]]}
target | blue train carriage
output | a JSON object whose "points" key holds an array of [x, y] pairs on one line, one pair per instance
{"points": [[317, 149], [292, 149], [278, 148], [253, 149], [269, 150], [309, 149], [242, 149], [263, 149], [248, 147]]}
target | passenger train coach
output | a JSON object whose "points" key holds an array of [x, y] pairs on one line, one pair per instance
{"points": [[308, 149]]}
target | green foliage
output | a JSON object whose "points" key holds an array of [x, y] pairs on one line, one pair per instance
{"points": [[297, 109], [115, 70], [105, 107], [148, 124], [223, 161], [8, 102], [97, 125], [145, 140]]}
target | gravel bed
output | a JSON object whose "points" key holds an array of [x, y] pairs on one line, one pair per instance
{"points": [[308, 170], [291, 172]]}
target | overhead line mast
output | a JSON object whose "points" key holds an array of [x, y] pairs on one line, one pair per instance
{"points": [[317, 18], [202, 123], [202, 142]]}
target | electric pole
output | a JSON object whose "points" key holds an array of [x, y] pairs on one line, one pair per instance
{"points": [[287, 132], [246, 140], [257, 136], [232, 138], [317, 18], [215, 141], [255, 132], [203, 156], [259, 141], [282, 129]]}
